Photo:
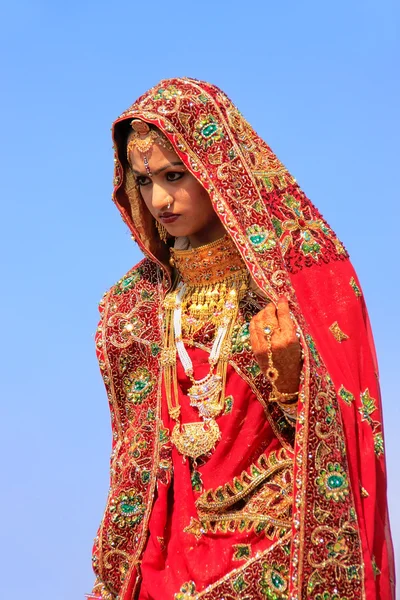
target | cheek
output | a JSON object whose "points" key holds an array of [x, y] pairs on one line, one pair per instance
{"points": [[146, 199], [197, 200]]}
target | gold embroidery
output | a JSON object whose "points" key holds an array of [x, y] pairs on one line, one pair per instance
{"points": [[364, 492], [241, 551], [355, 287], [375, 568], [215, 159], [337, 333], [345, 395], [227, 495], [267, 509]]}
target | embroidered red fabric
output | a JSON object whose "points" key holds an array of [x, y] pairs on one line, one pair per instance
{"points": [[340, 544]]}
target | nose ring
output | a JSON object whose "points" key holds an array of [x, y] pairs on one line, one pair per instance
{"points": [[169, 204]]}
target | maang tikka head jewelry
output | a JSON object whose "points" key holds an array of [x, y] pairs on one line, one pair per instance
{"points": [[144, 137]]}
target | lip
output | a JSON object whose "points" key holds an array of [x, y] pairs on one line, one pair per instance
{"points": [[168, 217]]}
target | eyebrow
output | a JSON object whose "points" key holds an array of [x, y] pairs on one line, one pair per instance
{"points": [[176, 163]]}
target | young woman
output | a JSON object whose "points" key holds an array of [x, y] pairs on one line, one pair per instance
{"points": [[248, 455]]}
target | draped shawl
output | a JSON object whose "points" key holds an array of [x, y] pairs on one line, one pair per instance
{"points": [[341, 546]]}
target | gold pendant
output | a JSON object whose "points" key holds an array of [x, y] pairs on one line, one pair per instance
{"points": [[195, 439], [205, 395]]}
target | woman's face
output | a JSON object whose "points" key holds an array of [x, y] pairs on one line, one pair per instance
{"points": [[167, 181]]}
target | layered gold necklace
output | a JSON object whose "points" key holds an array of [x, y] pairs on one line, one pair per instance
{"points": [[213, 280]]}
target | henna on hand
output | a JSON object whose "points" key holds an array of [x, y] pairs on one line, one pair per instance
{"points": [[285, 345]]}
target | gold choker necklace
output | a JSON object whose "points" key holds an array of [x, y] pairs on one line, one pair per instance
{"points": [[209, 273], [209, 263]]}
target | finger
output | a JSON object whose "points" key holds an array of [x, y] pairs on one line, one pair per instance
{"points": [[285, 321], [268, 316]]}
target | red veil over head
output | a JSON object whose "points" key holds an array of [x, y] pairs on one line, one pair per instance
{"points": [[341, 546]]}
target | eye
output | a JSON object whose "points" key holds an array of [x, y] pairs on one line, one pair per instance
{"points": [[142, 180], [174, 175]]}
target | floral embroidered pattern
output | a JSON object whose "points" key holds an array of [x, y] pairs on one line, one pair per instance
{"points": [[261, 239], [274, 581], [207, 131], [187, 591], [128, 281], [138, 385], [368, 406], [166, 93], [310, 231], [127, 509], [333, 483]]}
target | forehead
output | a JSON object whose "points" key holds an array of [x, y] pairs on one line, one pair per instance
{"points": [[157, 156]]}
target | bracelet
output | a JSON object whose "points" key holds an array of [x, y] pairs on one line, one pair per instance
{"points": [[282, 398], [272, 373]]}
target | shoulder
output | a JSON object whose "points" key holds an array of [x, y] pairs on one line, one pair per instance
{"points": [[144, 274]]}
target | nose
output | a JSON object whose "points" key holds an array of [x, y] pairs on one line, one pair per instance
{"points": [[160, 197]]}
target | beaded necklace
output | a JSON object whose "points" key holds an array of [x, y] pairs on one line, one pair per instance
{"points": [[213, 281]]}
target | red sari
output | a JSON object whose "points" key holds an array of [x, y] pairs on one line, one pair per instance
{"points": [[241, 507], [338, 544]]}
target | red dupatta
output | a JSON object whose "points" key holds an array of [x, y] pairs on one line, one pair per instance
{"points": [[341, 546]]}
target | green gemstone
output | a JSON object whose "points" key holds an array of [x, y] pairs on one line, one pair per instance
{"points": [[335, 481], [261, 526], [146, 476], [277, 226], [254, 369], [257, 238], [209, 130], [155, 349], [139, 385], [197, 483], [242, 551], [127, 508], [163, 437], [239, 584], [277, 581]]}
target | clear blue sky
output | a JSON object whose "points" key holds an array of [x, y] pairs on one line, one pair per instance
{"points": [[319, 81]]}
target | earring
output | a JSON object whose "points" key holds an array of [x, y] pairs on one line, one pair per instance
{"points": [[162, 232]]}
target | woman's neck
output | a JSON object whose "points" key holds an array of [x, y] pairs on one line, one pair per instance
{"points": [[207, 235]]}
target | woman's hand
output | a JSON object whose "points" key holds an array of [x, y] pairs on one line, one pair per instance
{"points": [[285, 346]]}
